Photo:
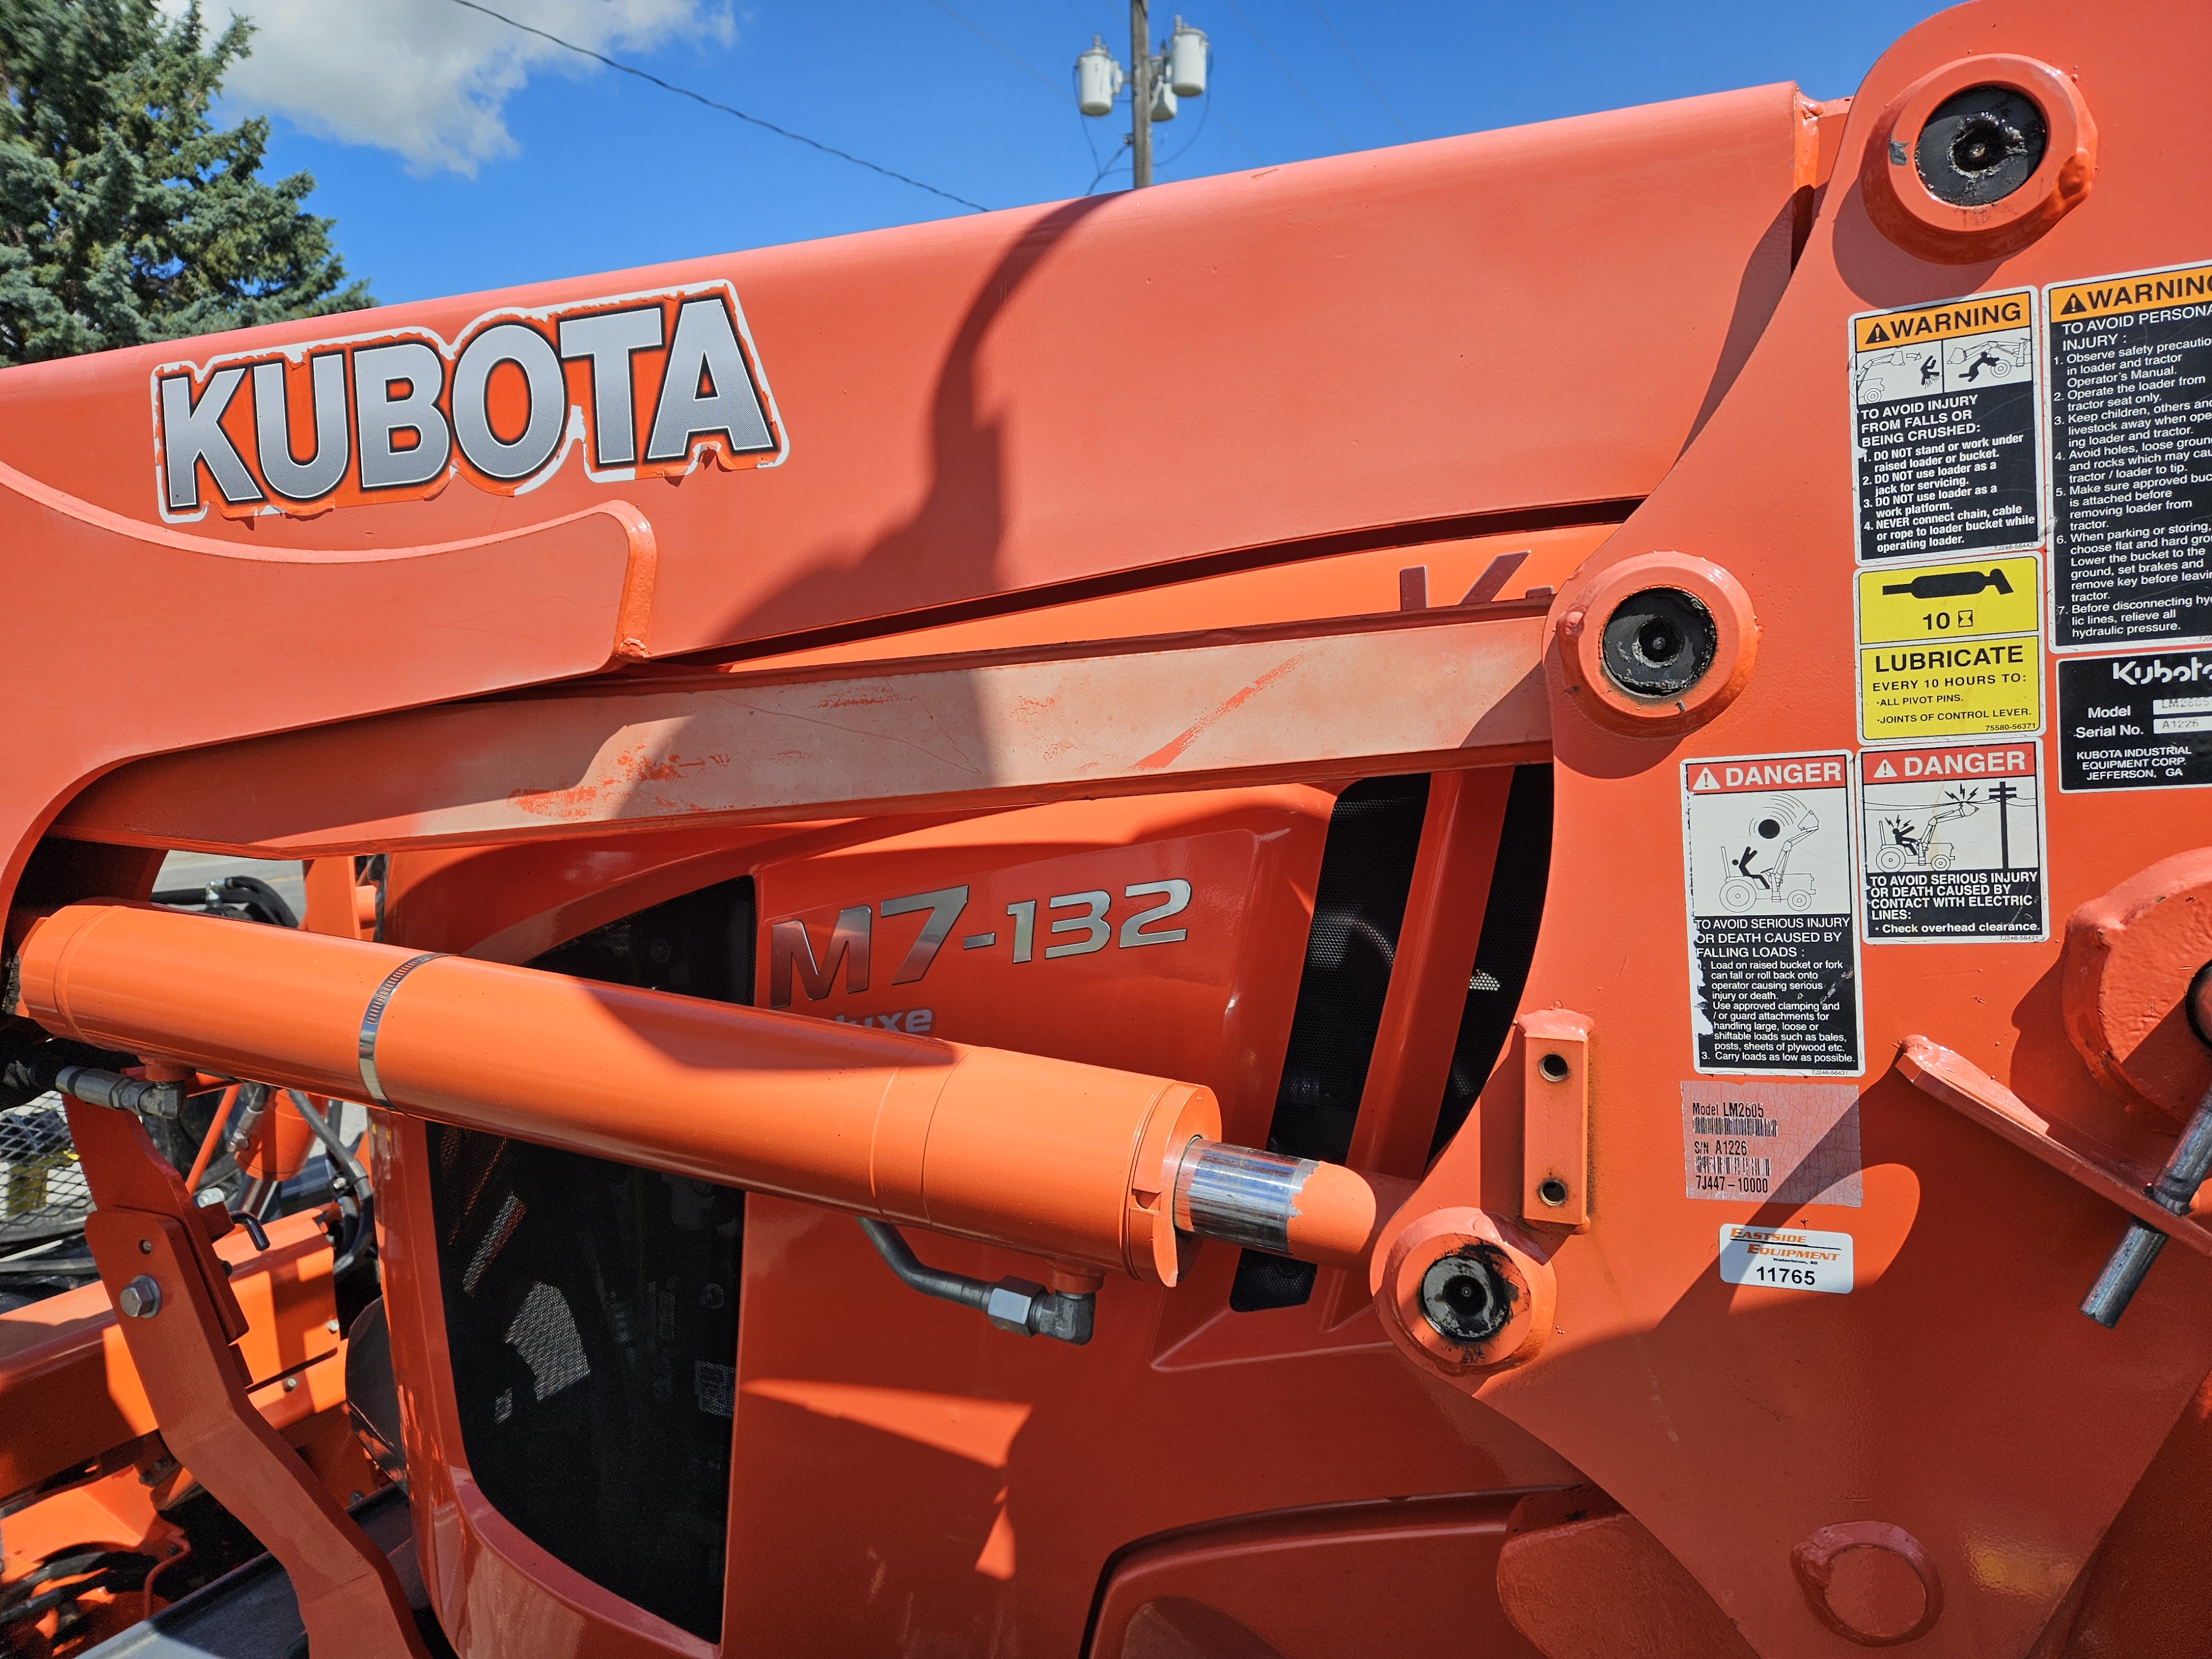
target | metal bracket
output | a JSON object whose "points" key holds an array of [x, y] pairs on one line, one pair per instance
{"points": [[1555, 1095], [1011, 1305], [1975, 1095]]}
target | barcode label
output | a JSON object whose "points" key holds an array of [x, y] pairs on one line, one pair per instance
{"points": [[1703, 1125]]}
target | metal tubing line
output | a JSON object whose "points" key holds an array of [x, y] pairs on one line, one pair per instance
{"points": [[1014, 1305], [2176, 1185], [916, 1274], [252, 1101], [373, 1015], [341, 1155]]}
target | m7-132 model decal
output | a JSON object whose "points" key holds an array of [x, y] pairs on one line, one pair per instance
{"points": [[1047, 929]]}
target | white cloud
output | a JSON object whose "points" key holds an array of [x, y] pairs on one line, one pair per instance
{"points": [[428, 78]]}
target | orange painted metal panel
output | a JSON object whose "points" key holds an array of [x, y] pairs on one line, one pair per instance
{"points": [[1000, 729]]}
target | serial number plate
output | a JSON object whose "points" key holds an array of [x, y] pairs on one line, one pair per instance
{"points": [[1786, 1258]]}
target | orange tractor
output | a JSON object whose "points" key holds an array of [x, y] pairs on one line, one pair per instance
{"points": [[955, 999]]}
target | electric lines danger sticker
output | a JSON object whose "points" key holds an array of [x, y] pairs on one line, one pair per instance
{"points": [[1766, 860], [1953, 841], [1944, 452]]}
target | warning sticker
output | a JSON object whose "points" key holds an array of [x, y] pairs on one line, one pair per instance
{"points": [[1774, 1143], [1787, 1258], [1954, 843], [2131, 459], [1766, 857], [1943, 439], [1950, 650], [2134, 722]]}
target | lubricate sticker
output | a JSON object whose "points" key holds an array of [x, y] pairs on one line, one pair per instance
{"points": [[2131, 459], [1766, 858], [2134, 722], [1771, 1143], [1943, 431], [1949, 650], [1787, 1258]]}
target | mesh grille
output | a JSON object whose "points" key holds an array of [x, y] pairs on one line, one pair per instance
{"points": [[42, 1192], [592, 1310], [1359, 905]]}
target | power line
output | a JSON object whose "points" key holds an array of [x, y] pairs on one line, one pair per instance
{"points": [[1345, 47], [1285, 68], [726, 109], [1019, 63]]}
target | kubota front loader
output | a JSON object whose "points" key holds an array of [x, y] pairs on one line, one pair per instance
{"points": [[1271, 994]]}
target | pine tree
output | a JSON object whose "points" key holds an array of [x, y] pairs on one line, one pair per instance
{"points": [[125, 216]]}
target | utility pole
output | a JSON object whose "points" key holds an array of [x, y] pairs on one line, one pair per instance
{"points": [[1140, 94], [1176, 70]]}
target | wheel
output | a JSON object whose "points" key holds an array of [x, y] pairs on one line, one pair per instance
{"points": [[1737, 894], [1890, 859]]}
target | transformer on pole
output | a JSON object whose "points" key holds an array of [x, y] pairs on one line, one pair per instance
{"points": [[1177, 70]]}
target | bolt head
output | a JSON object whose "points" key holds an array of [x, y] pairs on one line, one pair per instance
{"points": [[1009, 1303], [290, 1383], [332, 1328], [140, 1299], [145, 1247]]}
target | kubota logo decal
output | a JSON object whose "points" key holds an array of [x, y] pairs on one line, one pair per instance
{"points": [[637, 386]]}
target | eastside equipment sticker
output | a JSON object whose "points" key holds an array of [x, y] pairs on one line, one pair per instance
{"points": [[1954, 843], [2131, 459], [1949, 650], [1771, 1143], [1787, 1258], [1944, 458], [2134, 722], [1766, 860]]}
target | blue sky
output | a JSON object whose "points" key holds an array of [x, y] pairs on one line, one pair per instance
{"points": [[605, 172]]}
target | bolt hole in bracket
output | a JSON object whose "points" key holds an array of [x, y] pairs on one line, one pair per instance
{"points": [[1979, 158], [1655, 645]]}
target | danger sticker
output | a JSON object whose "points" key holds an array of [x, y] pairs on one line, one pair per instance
{"points": [[1954, 843], [1786, 1259], [1944, 452], [1766, 857], [1774, 1143]]}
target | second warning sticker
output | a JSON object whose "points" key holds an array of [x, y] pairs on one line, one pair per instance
{"points": [[1766, 854], [1953, 841]]}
